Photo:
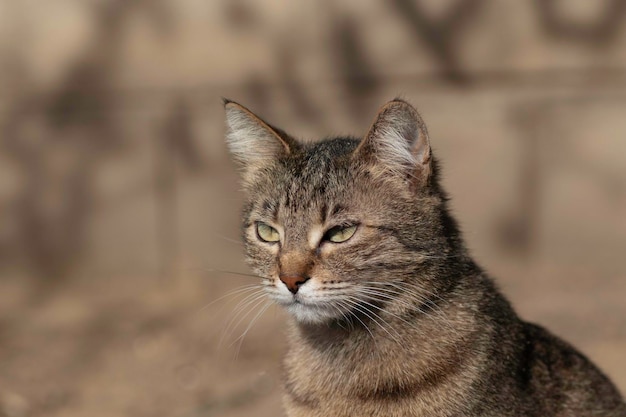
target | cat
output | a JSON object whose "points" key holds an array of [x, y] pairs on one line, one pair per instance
{"points": [[389, 314]]}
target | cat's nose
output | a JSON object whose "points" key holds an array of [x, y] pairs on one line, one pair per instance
{"points": [[293, 282]]}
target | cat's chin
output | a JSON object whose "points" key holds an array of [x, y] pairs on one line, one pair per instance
{"points": [[309, 313]]}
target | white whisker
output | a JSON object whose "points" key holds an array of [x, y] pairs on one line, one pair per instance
{"points": [[241, 311], [346, 304], [232, 293], [355, 302], [245, 332]]}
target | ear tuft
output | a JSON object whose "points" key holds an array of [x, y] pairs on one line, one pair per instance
{"points": [[251, 141], [398, 142]]}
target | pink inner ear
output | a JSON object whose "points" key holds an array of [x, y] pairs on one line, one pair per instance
{"points": [[398, 139], [251, 141], [421, 147]]}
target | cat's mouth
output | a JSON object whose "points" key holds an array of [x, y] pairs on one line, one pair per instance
{"points": [[297, 300], [308, 304]]}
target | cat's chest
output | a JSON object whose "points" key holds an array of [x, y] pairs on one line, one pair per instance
{"points": [[364, 383], [340, 403]]}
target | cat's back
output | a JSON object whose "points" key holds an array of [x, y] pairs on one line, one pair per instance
{"points": [[563, 382]]}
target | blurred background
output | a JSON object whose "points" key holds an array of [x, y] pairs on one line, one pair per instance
{"points": [[119, 206]]}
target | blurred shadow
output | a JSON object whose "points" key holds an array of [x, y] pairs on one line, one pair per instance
{"points": [[356, 72], [598, 33], [176, 144], [536, 122], [518, 231], [297, 93], [259, 93], [178, 136], [239, 14], [57, 141], [441, 37]]}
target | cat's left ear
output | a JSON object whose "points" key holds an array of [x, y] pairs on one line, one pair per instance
{"points": [[398, 144], [252, 142]]}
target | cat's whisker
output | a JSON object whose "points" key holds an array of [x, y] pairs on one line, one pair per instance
{"points": [[393, 298], [345, 304], [341, 314], [384, 310], [225, 271], [398, 291], [425, 301], [234, 314], [434, 308], [426, 290], [244, 313], [228, 239], [249, 298], [381, 297], [268, 303], [373, 291], [345, 316], [434, 312], [247, 329], [231, 293], [410, 289], [427, 255], [356, 304], [348, 318], [241, 310]]}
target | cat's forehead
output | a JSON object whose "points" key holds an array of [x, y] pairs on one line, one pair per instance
{"points": [[314, 160], [311, 181]]}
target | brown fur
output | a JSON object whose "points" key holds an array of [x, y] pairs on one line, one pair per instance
{"points": [[397, 320]]}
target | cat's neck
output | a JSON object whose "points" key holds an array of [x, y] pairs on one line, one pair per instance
{"points": [[416, 352], [406, 319]]}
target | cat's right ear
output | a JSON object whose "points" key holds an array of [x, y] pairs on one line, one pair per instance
{"points": [[252, 142]]}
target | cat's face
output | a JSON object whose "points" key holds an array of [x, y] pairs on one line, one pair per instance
{"points": [[336, 229]]}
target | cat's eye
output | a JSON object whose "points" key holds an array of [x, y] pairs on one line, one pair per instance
{"points": [[339, 234], [267, 233]]}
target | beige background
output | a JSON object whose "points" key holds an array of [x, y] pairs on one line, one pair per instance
{"points": [[119, 206]]}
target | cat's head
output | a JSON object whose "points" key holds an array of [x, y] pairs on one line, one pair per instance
{"points": [[343, 226]]}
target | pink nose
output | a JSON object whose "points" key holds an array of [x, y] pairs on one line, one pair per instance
{"points": [[293, 282]]}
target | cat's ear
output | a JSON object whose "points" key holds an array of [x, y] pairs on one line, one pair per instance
{"points": [[252, 142], [398, 143]]}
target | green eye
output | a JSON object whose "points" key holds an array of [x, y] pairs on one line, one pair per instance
{"points": [[339, 234], [267, 233]]}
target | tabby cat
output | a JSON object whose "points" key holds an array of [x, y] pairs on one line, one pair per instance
{"points": [[390, 316]]}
